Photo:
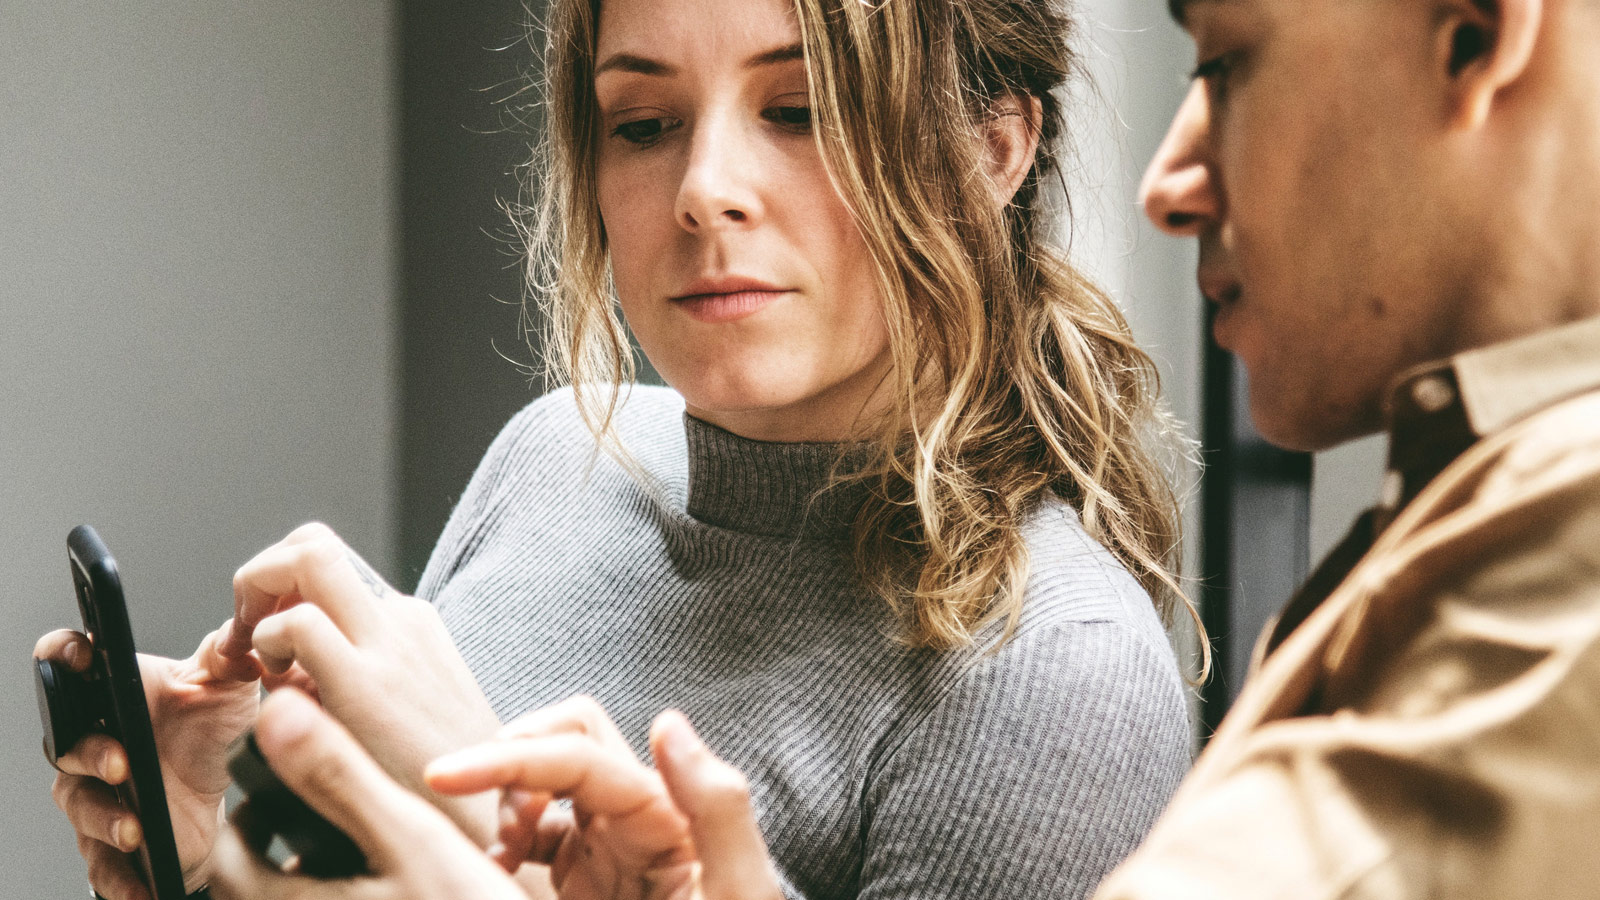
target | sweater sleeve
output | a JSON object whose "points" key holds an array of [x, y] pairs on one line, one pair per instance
{"points": [[1035, 775]]}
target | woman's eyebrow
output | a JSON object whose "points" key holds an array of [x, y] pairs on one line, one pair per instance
{"points": [[786, 53], [643, 65], [627, 62]]}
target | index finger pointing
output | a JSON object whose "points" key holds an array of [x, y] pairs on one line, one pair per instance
{"points": [[319, 569]]}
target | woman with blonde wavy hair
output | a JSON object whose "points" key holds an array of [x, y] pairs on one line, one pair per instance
{"points": [[895, 538]]}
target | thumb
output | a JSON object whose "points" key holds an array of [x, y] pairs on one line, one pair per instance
{"points": [[320, 762], [715, 797]]}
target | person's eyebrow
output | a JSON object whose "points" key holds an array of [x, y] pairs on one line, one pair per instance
{"points": [[627, 62], [787, 53], [641, 65], [1180, 9]]}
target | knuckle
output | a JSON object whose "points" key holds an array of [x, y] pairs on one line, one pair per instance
{"points": [[71, 795], [312, 531], [587, 710], [296, 620], [320, 553], [61, 791]]}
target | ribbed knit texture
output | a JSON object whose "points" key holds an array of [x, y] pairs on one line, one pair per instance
{"points": [[722, 585]]}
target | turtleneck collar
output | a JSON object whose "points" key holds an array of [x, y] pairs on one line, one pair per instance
{"points": [[771, 489]]}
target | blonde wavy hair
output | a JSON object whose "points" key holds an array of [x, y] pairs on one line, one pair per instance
{"points": [[1014, 378]]}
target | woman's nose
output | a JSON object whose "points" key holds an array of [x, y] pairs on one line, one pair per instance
{"points": [[1180, 192], [717, 189]]}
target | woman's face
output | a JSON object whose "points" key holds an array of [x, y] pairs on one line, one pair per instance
{"points": [[738, 266]]}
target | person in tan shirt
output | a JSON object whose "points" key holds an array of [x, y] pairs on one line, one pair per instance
{"points": [[1395, 204]]}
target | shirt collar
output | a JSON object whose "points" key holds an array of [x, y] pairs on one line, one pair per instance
{"points": [[1436, 411]]}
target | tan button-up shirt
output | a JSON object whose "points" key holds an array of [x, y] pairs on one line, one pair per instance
{"points": [[1428, 724]]}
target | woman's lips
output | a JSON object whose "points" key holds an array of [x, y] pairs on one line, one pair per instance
{"points": [[717, 308]]}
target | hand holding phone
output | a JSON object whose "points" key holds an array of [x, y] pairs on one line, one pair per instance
{"points": [[108, 697], [197, 707]]}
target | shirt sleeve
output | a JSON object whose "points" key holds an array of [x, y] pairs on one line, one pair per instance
{"points": [[1035, 775], [1452, 743]]}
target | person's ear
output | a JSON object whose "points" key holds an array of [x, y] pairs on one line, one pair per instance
{"points": [[1483, 47], [1011, 139]]}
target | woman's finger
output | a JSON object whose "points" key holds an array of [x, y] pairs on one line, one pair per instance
{"points": [[209, 658], [305, 635], [94, 812], [716, 799], [600, 780], [575, 715], [604, 784], [111, 871], [65, 645], [294, 677], [313, 565], [520, 813], [96, 756]]}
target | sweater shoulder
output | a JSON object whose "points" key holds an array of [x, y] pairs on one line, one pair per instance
{"points": [[646, 415], [547, 462], [1088, 638], [1074, 579]]}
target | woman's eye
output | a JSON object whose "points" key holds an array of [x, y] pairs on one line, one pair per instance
{"points": [[1215, 72], [644, 131], [794, 118]]}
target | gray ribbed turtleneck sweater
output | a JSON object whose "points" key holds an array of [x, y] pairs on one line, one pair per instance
{"points": [[714, 586]]}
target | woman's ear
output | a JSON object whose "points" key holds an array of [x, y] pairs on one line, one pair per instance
{"points": [[1011, 139], [1483, 47]]}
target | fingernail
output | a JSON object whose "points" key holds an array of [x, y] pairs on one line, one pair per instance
{"points": [[71, 653], [128, 835], [111, 768]]}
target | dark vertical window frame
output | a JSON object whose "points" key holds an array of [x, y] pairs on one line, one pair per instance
{"points": [[1255, 528]]}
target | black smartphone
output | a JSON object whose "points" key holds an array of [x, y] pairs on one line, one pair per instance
{"points": [[109, 698]]}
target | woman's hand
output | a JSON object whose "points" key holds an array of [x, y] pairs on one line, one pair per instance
{"points": [[412, 850], [633, 832], [198, 706], [320, 619]]}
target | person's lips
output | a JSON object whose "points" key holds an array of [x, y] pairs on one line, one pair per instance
{"points": [[1222, 291], [725, 298]]}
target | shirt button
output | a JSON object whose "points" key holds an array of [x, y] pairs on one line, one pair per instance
{"points": [[1432, 394]]}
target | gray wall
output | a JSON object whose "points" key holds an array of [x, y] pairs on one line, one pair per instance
{"points": [[463, 65], [197, 321]]}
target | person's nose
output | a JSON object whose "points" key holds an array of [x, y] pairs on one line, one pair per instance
{"points": [[1180, 193], [720, 178]]}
